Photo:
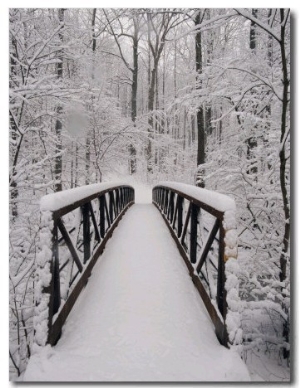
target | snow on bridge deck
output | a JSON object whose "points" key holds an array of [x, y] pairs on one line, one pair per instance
{"points": [[139, 318]]}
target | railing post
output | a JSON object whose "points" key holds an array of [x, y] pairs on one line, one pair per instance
{"points": [[166, 201], [193, 234], [117, 202], [179, 218], [55, 272], [221, 292], [121, 198], [102, 216], [171, 207], [109, 222], [86, 232], [111, 206], [126, 200]]}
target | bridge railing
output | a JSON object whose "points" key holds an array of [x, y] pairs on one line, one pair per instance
{"points": [[202, 223], [75, 226]]}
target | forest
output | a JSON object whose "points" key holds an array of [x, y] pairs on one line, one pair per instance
{"points": [[199, 96]]}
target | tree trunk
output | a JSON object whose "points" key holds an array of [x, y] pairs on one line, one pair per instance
{"points": [[252, 141], [200, 112], [134, 88], [88, 136], [283, 160], [58, 124], [253, 32], [14, 193]]}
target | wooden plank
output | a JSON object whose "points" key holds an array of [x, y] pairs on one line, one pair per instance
{"points": [[69, 243]]}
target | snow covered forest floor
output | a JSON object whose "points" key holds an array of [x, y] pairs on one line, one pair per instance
{"points": [[196, 96]]}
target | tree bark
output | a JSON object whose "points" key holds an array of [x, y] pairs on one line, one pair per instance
{"points": [[200, 112], [252, 141], [253, 32], [134, 88], [88, 135], [14, 193], [58, 124], [283, 172]]}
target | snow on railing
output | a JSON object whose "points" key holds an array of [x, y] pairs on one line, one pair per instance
{"points": [[203, 225], [75, 226]]}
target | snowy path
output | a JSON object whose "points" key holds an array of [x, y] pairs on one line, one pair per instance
{"points": [[139, 318]]}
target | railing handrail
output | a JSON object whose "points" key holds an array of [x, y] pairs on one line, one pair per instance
{"points": [[213, 202], [113, 201], [65, 201], [222, 208]]}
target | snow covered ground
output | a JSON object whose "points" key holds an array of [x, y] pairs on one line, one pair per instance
{"points": [[140, 317]]}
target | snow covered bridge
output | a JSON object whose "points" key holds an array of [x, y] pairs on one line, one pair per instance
{"points": [[138, 316]]}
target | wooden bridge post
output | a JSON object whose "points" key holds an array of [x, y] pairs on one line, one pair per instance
{"points": [[193, 233], [171, 207], [121, 198], [55, 271], [221, 291], [117, 202], [162, 199], [111, 206], [102, 216], [179, 218], [86, 231], [166, 201]]}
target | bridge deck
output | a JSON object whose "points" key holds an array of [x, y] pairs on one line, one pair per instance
{"points": [[139, 318]]}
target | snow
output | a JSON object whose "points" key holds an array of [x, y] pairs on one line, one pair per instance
{"points": [[214, 199], [42, 280], [139, 318], [55, 201]]}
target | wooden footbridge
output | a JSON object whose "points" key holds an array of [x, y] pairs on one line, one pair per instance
{"points": [[76, 227]]}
